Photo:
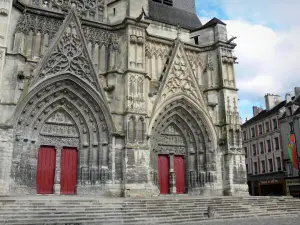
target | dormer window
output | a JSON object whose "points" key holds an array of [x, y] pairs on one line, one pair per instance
{"points": [[165, 2]]}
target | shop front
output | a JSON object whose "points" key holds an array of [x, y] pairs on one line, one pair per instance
{"points": [[293, 186]]}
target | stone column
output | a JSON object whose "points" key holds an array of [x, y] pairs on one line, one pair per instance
{"points": [[104, 164], [172, 174], [57, 171]]}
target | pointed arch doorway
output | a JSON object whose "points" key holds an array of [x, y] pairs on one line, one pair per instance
{"points": [[172, 166], [181, 133]]}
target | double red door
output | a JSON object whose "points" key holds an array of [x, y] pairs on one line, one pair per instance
{"points": [[163, 173], [46, 170]]}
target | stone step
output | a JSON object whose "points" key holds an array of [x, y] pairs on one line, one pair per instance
{"points": [[139, 211], [103, 218]]}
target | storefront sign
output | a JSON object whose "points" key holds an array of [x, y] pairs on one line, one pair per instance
{"points": [[266, 182], [292, 181]]}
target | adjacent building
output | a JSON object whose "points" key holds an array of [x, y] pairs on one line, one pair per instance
{"points": [[290, 124], [118, 98], [263, 148]]}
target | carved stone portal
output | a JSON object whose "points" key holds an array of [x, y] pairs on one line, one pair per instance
{"points": [[180, 130]]}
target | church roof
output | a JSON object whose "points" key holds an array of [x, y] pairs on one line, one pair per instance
{"points": [[172, 15], [213, 22]]}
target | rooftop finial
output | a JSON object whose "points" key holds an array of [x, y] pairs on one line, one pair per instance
{"points": [[178, 28]]}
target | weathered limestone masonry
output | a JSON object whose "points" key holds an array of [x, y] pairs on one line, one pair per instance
{"points": [[126, 84]]}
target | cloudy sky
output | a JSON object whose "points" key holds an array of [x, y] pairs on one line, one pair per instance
{"points": [[268, 48]]}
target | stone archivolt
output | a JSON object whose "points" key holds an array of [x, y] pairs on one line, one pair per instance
{"points": [[62, 114], [179, 130]]}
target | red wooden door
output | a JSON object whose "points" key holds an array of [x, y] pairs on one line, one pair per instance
{"points": [[163, 173], [68, 178], [179, 172], [45, 170]]}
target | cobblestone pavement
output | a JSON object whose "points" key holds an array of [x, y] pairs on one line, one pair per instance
{"points": [[256, 221]]}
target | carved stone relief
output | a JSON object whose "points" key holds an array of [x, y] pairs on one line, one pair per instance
{"points": [[179, 79], [93, 9], [69, 56]]}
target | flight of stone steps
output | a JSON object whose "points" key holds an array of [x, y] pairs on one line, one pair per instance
{"points": [[157, 210]]}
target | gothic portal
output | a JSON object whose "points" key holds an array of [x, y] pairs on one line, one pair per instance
{"points": [[117, 98]]}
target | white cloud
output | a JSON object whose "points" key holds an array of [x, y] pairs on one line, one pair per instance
{"points": [[268, 59]]}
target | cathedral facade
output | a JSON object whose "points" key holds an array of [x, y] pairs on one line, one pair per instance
{"points": [[117, 98]]}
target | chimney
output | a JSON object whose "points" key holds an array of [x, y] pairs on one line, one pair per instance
{"points": [[297, 91], [271, 101], [256, 110], [288, 97]]}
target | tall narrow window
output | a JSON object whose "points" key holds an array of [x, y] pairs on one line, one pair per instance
{"points": [[254, 150], [141, 130], [275, 124], [263, 166], [267, 127], [260, 129], [270, 165], [140, 88], [132, 86], [261, 144], [276, 143], [269, 145], [278, 162], [255, 168], [131, 130]]}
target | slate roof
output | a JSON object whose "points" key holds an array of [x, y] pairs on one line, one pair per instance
{"points": [[171, 15], [213, 22], [265, 113]]}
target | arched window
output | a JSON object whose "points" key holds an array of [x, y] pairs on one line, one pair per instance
{"points": [[132, 86], [140, 87], [131, 130], [141, 130]]}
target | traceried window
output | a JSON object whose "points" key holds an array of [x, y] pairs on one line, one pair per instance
{"points": [[132, 86], [131, 130], [141, 130], [140, 88], [165, 2]]}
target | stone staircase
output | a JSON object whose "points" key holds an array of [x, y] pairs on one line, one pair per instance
{"points": [[157, 210]]}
